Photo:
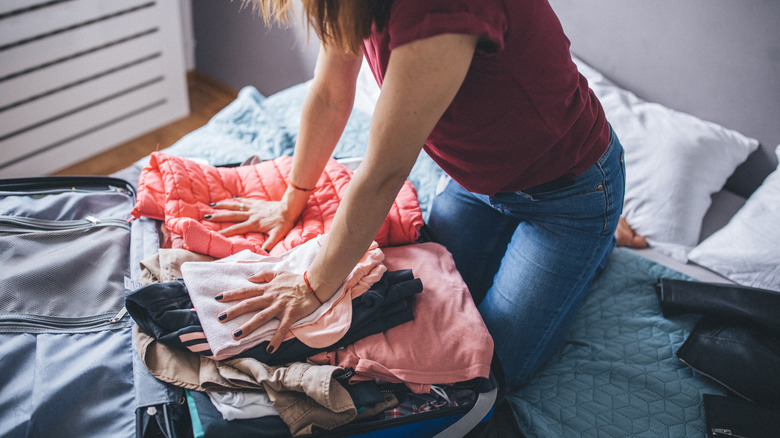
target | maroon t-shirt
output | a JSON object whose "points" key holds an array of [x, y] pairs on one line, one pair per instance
{"points": [[524, 116]]}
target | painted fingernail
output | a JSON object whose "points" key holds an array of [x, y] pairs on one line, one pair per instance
{"points": [[208, 216], [219, 297], [222, 316], [213, 204], [238, 333], [270, 349]]}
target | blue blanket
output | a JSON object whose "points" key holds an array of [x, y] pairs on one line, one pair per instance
{"points": [[253, 125]]}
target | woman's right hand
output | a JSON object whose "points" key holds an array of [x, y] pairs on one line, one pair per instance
{"points": [[252, 215], [281, 295]]}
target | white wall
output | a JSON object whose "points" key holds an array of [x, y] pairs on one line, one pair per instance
{"points": [[188, 34], [234, 46]]}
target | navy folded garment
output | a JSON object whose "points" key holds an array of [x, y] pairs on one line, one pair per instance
{"points": [[164, 310]]}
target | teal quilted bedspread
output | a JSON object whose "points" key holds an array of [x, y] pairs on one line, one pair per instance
{"points": [[616, 375]]}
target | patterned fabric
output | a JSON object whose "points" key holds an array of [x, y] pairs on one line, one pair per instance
{"points": [[615, 374]]}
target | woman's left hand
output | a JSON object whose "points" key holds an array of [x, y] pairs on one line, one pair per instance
{"points": [[253, 215], [281, 295]]}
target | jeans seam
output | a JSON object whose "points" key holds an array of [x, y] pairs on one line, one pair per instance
{"points": [[607, 197]]}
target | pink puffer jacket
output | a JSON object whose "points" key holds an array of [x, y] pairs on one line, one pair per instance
{"points": [[178, 191]]}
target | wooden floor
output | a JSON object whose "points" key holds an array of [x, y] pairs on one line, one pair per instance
{"points": [[207, 97]]}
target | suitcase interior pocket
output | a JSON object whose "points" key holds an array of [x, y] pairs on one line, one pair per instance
{"points": [[64, 254]]}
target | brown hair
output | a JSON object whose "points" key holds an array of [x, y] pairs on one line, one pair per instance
{"points": [[344, 23]]}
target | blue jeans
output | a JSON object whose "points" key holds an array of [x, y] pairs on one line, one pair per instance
{"points": [[529, 257]]}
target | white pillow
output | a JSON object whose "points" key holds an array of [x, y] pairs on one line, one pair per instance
{"points": [[674, 163], [747, 249]]}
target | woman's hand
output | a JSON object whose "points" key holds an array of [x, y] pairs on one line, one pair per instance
{"points": [[280, 295], [626, 236], [252, 215]]}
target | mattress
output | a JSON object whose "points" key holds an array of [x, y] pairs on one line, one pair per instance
{"points": [[614, 375]]}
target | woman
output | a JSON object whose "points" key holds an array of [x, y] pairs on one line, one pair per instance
{"points": [[489, 90]]}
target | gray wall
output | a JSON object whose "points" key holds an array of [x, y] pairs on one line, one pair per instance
{"points": [[716, 59], [233, 45]]}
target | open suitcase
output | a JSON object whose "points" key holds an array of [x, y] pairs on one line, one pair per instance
{"points": [[68, 255]]}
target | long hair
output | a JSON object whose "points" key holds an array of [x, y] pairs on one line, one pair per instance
{"points": [[340, 23]]}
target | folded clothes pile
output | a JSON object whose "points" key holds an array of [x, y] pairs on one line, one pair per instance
{"points": [[403, 316]]}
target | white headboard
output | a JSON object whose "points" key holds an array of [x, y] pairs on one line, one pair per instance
{"points": [[716, 59]]}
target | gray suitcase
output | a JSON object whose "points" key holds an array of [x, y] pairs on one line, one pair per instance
{"points": [[67, 255]]}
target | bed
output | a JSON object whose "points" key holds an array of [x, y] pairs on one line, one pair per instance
{"points": [[701, 187]]}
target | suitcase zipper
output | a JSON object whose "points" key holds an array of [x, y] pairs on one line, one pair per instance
{"points": [[17, 224], [42, 324], [38, 186]]}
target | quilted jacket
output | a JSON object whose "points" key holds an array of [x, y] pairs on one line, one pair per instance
{"points": [[178, 191]]}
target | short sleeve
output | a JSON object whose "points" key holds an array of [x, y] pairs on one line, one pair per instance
{"points": [[412, 20]]}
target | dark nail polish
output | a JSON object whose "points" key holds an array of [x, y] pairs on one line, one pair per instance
{"points": [[208, 216], [222, 316], [219, 297], [213, 204], [270, 349], [238, 333]]}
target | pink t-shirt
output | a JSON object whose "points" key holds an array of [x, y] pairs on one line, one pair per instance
{"points": [[447, 342], [524, 116]]}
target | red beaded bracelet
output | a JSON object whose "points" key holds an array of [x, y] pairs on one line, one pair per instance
{"points": [[298, 187], [308, 285]]}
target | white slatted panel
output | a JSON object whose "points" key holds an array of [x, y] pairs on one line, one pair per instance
{"points": [[11, 6], [71, 72], [81, 76], [62, 16], [79, 41]]}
